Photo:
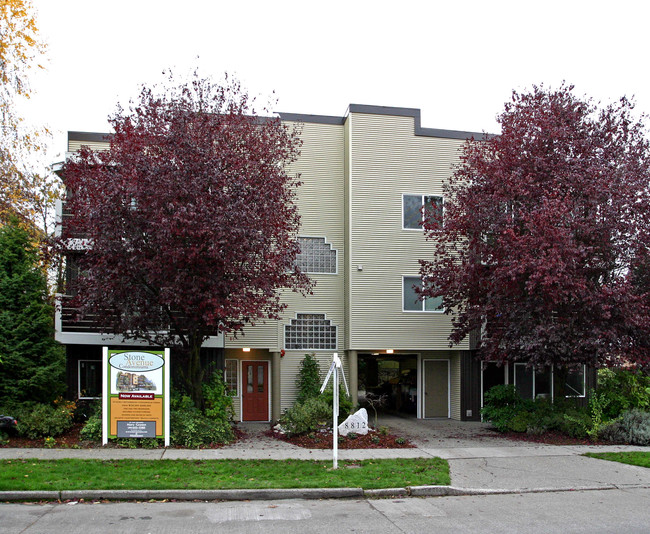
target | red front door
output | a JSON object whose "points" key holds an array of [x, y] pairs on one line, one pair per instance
{"points": [[256, 391]]}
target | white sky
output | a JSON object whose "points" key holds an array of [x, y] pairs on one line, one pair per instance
{"points": [[457, 61]]}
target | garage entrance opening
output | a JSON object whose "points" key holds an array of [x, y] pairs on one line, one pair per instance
{"points": [[393, 377]]}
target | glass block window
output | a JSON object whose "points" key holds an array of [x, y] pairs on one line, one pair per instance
{"points": [[310, 331], [316, 256], [231, 376]]}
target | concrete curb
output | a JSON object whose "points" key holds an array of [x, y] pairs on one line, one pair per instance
{"points": [[29, 495], [282, 494], [184, 495], [385, 493], [453, 491]]}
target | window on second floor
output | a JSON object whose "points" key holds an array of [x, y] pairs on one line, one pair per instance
{"points": [[414, 208], [411, 298], [316, 256], [310, 331]]}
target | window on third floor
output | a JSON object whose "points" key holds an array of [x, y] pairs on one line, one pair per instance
{"points": [[316, 256], [414, 208]]}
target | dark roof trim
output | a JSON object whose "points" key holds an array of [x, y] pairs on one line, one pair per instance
{"points": [[415, 113], [91, 137], [318, 119], [330, 119]]}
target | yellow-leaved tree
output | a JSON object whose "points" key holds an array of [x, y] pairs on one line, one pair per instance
{"points": [[24, 192]]}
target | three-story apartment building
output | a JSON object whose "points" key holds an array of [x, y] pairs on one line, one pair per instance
{"points": [[365, 177]]}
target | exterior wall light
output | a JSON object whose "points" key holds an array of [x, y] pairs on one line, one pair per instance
{"points": [[389, 351], [246, 349]]}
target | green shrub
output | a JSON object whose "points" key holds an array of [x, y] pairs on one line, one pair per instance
{"points": [[308, 381], [191, 428], [92, 430], [86, 409], [306, 416], [575, 424], [218, 403], [594, 420], [43, 420], [624, 390], [633, 428], [139, 443], [502, 404], [345, 403], [520, 422]]}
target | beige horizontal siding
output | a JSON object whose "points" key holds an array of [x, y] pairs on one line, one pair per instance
{"points": [[388, 161], [320, 204], [74, 146]]}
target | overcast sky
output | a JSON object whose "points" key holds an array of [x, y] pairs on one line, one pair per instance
{"points": [[458, 61]]}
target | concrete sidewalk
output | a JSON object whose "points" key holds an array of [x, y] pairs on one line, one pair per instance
{"points": [[480, 462]]}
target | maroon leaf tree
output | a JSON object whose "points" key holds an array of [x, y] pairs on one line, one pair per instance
{"points": [[189, 218], [544, 244]]}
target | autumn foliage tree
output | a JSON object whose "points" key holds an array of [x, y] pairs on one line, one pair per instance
{"points": [[544, 245], [24, 192], [189, 218]]}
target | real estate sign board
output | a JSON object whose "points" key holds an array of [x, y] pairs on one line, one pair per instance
{"points": [[136, 394]]}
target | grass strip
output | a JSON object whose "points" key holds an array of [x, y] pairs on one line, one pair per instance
{"points": [[642, 459], [36, 475]]}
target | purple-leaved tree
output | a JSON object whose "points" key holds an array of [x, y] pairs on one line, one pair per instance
{"points": [[544, 244], [190, 219]]}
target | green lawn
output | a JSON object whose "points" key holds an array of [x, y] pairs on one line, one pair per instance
{"points": [[23, 475], [641, 459]]}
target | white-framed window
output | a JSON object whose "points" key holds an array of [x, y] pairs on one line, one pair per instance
{"points": [[310, 331], [411, 299], [231, 377], [89, 379], [414, 208], [575, 385], [316, 256], [534, 382]]}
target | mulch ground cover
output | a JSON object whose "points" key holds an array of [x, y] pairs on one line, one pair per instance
{"points": [[72, 440], [323, 440], [69, 439], [317, 440], [372, 440]]}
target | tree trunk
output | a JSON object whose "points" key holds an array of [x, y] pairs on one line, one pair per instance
{"points": [[195, 373]]}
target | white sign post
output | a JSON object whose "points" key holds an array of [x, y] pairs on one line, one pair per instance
{"points": [[334, 369]]}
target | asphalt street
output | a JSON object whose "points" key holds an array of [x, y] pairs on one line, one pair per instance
{"points": [[611, 511]]}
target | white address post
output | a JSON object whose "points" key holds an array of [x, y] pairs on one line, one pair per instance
{"points": [[334, 370]]}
